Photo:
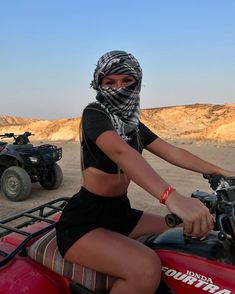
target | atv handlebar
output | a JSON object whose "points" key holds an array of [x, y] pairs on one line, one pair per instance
{"points": [[7, 135], [19, 139], [172, 220], [218, 181], [221, 205]]}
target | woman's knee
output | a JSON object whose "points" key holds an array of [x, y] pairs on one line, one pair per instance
{"points": [[147, 271]]}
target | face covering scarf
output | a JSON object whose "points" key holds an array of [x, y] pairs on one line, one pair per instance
{"points": [[123, 104]]}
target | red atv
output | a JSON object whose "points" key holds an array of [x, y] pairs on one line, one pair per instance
{"points": [[30, 261]]}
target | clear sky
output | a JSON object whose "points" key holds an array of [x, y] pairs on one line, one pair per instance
{"points": [[49, 48]]}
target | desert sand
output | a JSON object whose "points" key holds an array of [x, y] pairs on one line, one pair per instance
{"points": [[184, 181]]}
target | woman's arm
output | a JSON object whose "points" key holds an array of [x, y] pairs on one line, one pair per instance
{"points": [[131, 162], [196, 217], [182, 158]]}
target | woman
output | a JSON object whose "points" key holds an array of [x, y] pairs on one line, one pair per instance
{"points": [[98, 227]]}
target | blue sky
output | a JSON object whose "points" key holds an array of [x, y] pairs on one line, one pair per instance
{"points": [[49, 49]]}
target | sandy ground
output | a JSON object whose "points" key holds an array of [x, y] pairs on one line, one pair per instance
{"points": [[184, 181]]}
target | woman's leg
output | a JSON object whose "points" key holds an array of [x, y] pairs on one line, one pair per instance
{"points": [[149, 224], [137, 267]]}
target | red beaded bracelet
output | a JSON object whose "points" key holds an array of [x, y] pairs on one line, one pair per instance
{"points": [[166, 194]]}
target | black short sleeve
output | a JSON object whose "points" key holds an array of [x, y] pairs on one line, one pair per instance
{"points": [[95, 121], [146, 135]]}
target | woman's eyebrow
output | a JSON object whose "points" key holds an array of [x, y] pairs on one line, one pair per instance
{"points": [[110, 79]]}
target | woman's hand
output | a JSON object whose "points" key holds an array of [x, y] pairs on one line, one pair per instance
{"points": [[198, 221]]}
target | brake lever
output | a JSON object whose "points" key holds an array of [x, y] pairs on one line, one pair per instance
{"points": [[228, 214]]}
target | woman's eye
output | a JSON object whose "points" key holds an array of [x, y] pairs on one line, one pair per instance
{"points": [[115, 84], [108, 84], [128, 82]]}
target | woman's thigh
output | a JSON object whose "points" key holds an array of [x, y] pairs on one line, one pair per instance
{"points": [[149, 224], [112, 253]]}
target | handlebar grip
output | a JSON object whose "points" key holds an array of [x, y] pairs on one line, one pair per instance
{"points": [[172, 220]]}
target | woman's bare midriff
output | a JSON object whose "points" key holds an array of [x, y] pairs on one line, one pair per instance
{"points": [[104, 184]]}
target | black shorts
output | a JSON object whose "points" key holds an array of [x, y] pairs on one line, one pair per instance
{"points": [[87, 211]]}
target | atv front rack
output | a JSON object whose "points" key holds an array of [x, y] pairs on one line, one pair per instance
{"points": [[43, 154], [42, 214]]}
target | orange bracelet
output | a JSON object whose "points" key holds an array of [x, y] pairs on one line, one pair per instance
{"points": [[166, 194]]}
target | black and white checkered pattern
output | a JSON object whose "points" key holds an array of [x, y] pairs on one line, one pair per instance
{"points": [[122, 104]]}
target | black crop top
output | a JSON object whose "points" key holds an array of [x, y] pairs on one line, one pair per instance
{"points": [[95, 121]]}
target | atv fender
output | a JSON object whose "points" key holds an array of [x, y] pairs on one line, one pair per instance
{"points": [[24, 275], [7, 156]]}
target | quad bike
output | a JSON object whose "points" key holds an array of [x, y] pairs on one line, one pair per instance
{"points": [[21, 164], [30, 261]]}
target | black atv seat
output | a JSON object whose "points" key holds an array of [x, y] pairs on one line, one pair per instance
{"points": [[12, 147], [2, 146]]}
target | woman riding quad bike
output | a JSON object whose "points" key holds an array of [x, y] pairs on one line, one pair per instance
{"points": [[31, 263]]}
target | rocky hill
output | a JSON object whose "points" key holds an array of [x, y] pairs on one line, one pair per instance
{"points": [[193, 122], [7, 120], [47, 130], [206, 122]]}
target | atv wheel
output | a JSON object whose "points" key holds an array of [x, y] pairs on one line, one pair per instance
{"points": [[52, 178], [16, 183]]}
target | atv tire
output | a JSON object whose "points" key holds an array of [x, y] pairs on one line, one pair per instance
{"points": [[52, 178], [16, 183]]}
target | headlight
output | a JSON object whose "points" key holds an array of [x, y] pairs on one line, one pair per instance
{"points": [[33, 159]]}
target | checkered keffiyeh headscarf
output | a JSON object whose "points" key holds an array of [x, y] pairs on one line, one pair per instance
{"points": [[122, 104]]}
